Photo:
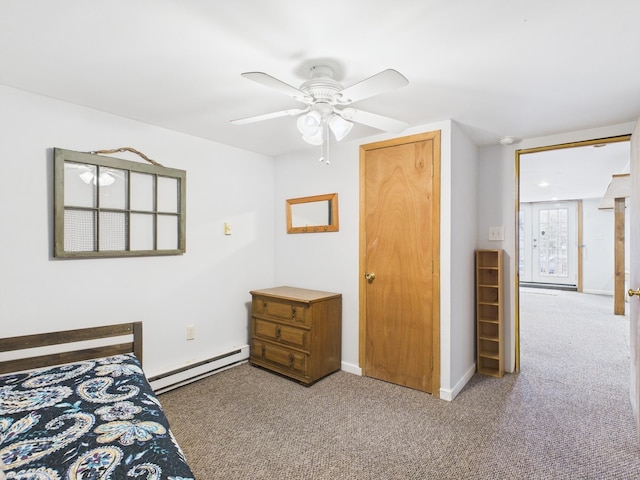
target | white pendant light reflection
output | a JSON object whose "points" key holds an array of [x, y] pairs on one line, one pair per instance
{"points": [[104, 179], [88, 177]]}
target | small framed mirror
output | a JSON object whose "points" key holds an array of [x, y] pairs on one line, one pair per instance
{"points": [[315, 214]]}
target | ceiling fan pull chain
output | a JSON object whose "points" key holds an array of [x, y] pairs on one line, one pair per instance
{"points": [[321, 159], [327, 139]]}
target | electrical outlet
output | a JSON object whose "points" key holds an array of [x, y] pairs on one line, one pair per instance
{"points": [[191, 332]]}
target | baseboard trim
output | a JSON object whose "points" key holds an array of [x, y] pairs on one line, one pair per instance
{"points": [[351, 368], [450, 394], [598, 292], [549, 286]]}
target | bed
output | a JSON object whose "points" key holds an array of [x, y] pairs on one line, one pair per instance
{"points": [[87, 413]]}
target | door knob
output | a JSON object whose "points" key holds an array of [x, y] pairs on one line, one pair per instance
{"points": [[633, 292], [370, 276]]}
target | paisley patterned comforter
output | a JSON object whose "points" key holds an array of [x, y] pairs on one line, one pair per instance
{"points": [[97, 419]]}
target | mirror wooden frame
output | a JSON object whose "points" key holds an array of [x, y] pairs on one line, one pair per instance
{"points": [[332, 224]]}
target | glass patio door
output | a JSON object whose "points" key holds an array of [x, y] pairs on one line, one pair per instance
{"points": [[548, 243]]}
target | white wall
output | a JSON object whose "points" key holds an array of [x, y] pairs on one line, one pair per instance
{"points": [[329, 261], [496, 208], [322, 261], [463, 194], [207, 287], [598, 253], [497, 205]]}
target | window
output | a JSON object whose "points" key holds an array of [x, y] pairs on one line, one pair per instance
{"points": [[553, 232], [107, 207]]}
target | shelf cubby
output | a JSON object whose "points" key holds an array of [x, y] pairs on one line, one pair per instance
{"points": [[489, 312], [488, 330]]}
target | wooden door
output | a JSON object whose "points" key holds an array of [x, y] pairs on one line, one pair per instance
{"points": [[634, 272], [399, 303]]}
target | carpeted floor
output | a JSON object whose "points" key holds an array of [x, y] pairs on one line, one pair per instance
{"points": [[565, 416]]}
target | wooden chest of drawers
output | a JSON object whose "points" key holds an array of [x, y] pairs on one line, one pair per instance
{"points": [[296, 332]]}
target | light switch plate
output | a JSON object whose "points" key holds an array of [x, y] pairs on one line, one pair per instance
{"points": [[191, 332], [496, 234]]}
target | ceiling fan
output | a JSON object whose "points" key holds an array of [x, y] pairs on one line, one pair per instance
{"points": [[327, 103]]}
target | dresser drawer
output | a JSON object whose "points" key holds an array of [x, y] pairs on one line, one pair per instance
{"points": [[279, 356], [296, 337], [280, 310], [296, 332]]}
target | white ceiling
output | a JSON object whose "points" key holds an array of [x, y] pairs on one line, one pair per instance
{"points": [[525, 68], [572, 173]]}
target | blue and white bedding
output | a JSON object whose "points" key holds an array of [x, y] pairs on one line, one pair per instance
{"points": [[96, 419]]}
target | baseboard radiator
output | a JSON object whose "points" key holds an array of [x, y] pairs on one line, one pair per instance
{"points": [[199, 370]]}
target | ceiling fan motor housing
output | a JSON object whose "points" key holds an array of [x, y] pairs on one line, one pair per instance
{"points": [[321, 86]]}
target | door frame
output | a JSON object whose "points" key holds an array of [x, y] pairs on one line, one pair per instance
{"points": [[435, 311], [518, 153], [634, 230]]}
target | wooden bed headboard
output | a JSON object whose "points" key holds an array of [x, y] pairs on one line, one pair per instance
{"points": [[26, 342]]}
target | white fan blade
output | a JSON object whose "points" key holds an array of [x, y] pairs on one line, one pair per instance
{"points": [[268, 116], [279, 85], [379, 83], [373, 120]]}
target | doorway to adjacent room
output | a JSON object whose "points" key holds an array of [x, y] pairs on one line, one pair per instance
{"points": [[560, 191]]}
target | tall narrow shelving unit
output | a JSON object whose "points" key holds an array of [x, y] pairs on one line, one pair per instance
{"points": [[489, 312]]}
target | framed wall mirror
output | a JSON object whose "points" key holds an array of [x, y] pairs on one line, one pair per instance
{"points": [[315, 214]]}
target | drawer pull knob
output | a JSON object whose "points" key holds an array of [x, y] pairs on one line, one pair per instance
{"points": [[278, 332], [293, 312], [291, 360]]}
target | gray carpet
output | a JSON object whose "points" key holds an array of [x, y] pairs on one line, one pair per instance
{"points": [[566, 415]]}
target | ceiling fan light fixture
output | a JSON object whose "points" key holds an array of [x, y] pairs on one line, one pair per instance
{"points": [[309, 123], [316, 139], [339, 126], [348, 113]]}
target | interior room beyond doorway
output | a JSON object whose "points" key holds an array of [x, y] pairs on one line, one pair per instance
{"points": [[565, 240]]}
